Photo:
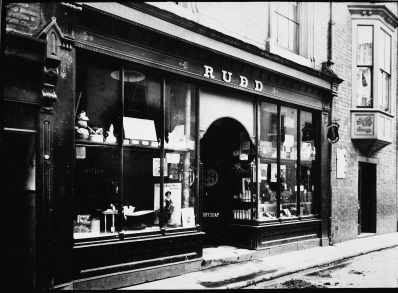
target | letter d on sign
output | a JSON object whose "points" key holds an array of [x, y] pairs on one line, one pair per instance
{"points": [[259, 85]]}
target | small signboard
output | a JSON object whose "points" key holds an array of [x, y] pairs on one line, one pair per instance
{"points": [[188, 217], [364, 124]]}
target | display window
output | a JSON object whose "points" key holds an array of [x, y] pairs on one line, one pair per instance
{"points": [[288, 163], [134, 150], [285, 191], [268, 143], [307, 163]]}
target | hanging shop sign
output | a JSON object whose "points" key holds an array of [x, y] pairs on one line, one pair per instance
{"points": [[333, 133]]}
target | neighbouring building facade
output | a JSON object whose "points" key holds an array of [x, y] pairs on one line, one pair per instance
{"points": [[136, 134]]}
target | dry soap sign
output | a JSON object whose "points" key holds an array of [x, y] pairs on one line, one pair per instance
{"points": [[364, 124]]}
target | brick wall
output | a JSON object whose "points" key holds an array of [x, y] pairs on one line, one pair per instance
{"points": [[321, 27], [345, 191], [396, 66], [240, 20], [25, 18]]}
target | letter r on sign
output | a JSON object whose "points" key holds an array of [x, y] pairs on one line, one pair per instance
{"points": [[208, 72]]}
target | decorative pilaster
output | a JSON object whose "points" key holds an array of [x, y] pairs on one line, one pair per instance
{"points": [[58, 46]]}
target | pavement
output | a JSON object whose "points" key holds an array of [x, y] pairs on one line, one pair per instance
{"points": [[227, 267]]}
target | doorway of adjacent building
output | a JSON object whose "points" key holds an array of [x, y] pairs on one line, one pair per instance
{"points": [[366, 198], [219, 153]]}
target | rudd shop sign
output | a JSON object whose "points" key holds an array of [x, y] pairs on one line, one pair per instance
{"points": [[230, 77]]}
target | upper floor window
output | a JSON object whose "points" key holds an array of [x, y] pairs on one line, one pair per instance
{"points": [[287, 25], [291, 31], [364, 65], [385, 70], [373, 32]]}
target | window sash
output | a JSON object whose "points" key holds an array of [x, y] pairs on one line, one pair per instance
{"points": [[287, 25], [384, 89], [385, 52], [365, 45]]}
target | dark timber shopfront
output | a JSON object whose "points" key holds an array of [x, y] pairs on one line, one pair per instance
{"points": [[154, 147]]}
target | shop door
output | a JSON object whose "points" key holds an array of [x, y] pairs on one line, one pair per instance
{"points": [[219, 154], [367, 198]]}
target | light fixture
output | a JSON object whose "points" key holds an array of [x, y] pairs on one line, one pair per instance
{"points": [[129, 76]]}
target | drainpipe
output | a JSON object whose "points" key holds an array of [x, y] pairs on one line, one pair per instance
{"points": [[330, 62]]}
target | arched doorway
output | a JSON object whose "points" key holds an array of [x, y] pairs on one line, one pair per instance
{"points": [[226, 152]]}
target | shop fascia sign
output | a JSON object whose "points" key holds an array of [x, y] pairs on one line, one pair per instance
{"points": [[228, 78]]}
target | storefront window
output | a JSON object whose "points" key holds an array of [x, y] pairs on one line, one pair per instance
{"points": [[288, 185], [96, 190], [294, 199], [119, 125], [179, 168], [267, 177], [141, 149], [308, 152]]}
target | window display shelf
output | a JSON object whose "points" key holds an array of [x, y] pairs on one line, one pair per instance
{"points": [[139, 147], [83, 142], [182, 150]]}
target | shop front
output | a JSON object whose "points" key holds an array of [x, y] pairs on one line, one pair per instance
{"points": [[155, 147], [265, 196]]}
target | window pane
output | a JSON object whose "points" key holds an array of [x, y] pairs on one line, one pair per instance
{"points": [[307, 171], [268, 160], [142, 122], [283, 31], [386, 53], [179, 169], [288, 162], [364, 86], [365, 45], [287, 25], [96, 191], [98, 93], [292, 9], [139, 189], [293, 33], [385, 91], [141, 153], [96, 162]]}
